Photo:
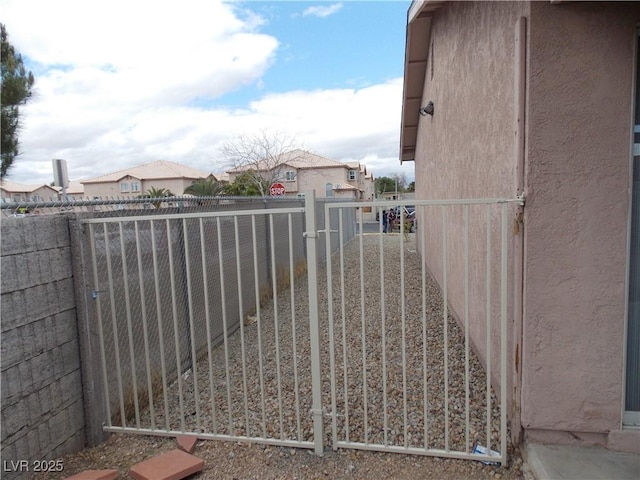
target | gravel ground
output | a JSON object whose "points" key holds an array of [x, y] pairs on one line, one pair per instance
{"points": [[393, 377]]}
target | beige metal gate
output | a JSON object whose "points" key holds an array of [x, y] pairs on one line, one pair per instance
{"points": [[404, 377], [227, 324]]}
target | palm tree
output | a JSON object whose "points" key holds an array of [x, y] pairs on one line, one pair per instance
{"points": [[205, 187], [154, 193]]}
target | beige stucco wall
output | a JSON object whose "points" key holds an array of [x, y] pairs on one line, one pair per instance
{"points": [[579, 121], [112, 189], [466, 150], [317, 179]]}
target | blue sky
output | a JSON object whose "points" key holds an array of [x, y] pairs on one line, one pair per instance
{"points": [[177, 81]]}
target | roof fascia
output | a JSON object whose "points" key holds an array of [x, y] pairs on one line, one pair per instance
{"points": [[419, 17]]}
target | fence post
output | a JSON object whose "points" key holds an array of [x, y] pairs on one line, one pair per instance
{"points": [[311, 235], [95, 408]]}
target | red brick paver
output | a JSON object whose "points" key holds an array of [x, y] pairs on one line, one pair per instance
{"points": [[187, 443], [172, 465], [95, 475]]}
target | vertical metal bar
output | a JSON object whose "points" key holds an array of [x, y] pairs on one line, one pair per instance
{"points": [[343, 312], [207, 317], [363, 323], [103, 358], [446, 326], [114, 321], [145, 328], [330, 320], [256, 276], [425, 379], [194, 351], [225, 330], [488, 327], [314, 324], [163, 366], [383, 315], [127, 303], [292, 279], [241, 314], [403, 320], [466, 327], [503, 339], [176, 337], [276, 321]]}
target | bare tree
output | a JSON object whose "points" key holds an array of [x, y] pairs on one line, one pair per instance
{"points": [[262, 157]]}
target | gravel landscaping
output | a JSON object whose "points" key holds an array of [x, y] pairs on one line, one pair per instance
{"points": [[397, 400]]}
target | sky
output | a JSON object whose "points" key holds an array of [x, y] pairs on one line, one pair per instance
{"points": [[123, 82]]}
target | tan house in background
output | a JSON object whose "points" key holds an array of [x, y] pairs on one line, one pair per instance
{"points": [[542, 98], [301, 171], [134, 181], [75, 191], [19, 192]]}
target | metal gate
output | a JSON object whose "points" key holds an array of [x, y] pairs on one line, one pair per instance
{"points": [[227, 325], [404, 315]]}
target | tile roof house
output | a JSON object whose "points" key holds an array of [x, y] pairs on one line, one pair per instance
{"points": [[134, 181], [300, 171], [75, 190], [19, 192], [542, 98]]}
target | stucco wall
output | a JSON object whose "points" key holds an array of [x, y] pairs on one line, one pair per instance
{"points": [[112, 189], [317, 179], [466, 149], [579, 115]]}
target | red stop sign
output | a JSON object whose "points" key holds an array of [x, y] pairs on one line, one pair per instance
{"points": [[277, 190]]}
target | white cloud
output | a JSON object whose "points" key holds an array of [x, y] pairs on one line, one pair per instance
{"points": [[322, 11], [136, 102]]}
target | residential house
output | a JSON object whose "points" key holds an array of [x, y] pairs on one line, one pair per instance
{"points": [[543, 98], [301, 171], [134, 181], [369, 185], [75, 191], [18, 192]]}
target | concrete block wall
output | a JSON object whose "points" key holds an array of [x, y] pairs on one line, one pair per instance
{"points": [[41, 404]]}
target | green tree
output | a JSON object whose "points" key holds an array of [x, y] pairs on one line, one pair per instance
{"points": [[205, 187], [243, 186], [411, 187], [396, 182], [156, 193], [16, 90], [385, 185]]}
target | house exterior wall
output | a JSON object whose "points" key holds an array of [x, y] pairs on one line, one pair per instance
{"points": [[577, 172], [307, 179], [317, 179], [579, 79], [40, 194], [112, 189], [466, 150]]}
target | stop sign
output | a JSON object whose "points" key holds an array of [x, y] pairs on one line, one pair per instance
{"points": [[276, 190]]}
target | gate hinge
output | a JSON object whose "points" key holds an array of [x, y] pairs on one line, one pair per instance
{"points": [[310, 234]]}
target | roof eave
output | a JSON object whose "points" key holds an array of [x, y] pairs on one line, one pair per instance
{"points": [[416, 56]]}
